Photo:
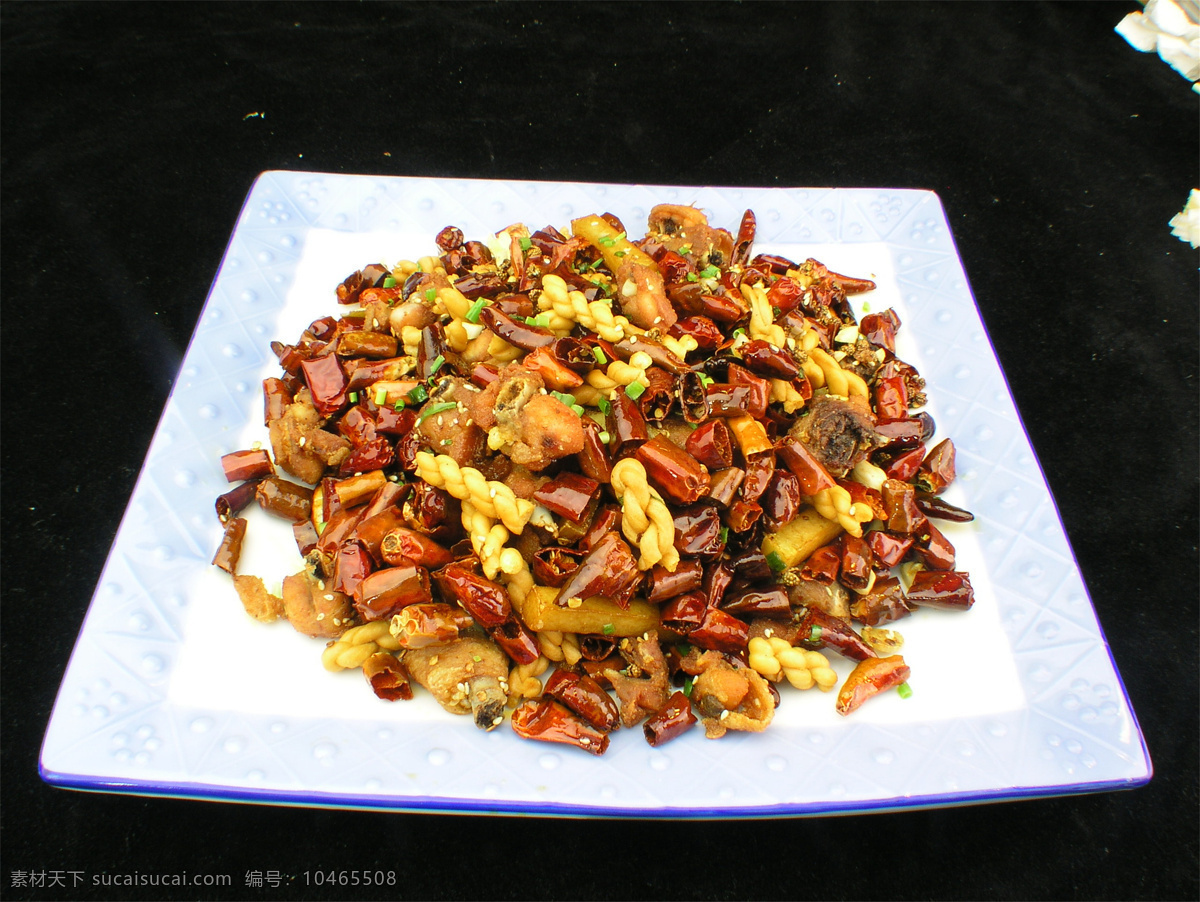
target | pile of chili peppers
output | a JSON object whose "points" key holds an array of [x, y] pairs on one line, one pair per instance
{"points": [[351, 410]]}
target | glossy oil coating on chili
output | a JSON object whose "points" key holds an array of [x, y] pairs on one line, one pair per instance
{"points": [[584, 481]]}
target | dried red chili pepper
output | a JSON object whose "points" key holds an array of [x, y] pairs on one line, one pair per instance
{"points": [[884, 603], [821, 630], [947, 589], [937, 470], [549, 721], [486, 601], [568, 495], [870, 678], [721, 631], [673, 471], [230, 549], [812, 474], [250, 464], [711, 444], [671, 722], [284, 498], [384, 592], [585, 697]]}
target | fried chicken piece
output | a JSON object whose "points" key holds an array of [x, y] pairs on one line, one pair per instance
{"points": [[728, 694], [467, 676], [839, 432], [300, 446], [646, 689], [532, 428], [674, 227], [313, 607]]}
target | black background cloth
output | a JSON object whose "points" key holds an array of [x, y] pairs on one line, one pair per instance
{"points": [[1059, 152]]}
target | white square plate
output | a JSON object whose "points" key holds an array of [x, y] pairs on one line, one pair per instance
{"points": [[172, 690]]}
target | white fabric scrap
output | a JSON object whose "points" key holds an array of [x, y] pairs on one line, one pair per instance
{"points": [[1185, 225], [1170, 27]]}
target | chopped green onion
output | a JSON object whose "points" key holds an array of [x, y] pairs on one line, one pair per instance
{"points": [[737, 332], [724, 534], [866, 307], [685, 249], [692, 277], [380, 397], [447, 441], [605, 437], [437, 364], [577, 410], [418, 395], [473, 313], [609, 629], [599, 355], [610, 240], [815, 635], [431, 294], [706, 380], [684, 649], [775, 562], [389, 282], [399, 405], [619, 253], [687, 685], [604, 406], [564, 397], [353, 397], [710, 272], [634, 390], [542, 319], [904, 690], [441, 407], [526, 244]]}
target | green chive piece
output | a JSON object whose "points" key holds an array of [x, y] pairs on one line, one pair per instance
{"points": [[564, 397], [619, 253], [706, 380], [577, 410], [599, 355], [473, 313], [609, 629], [634, 390], [692, 277], [710, 272], [685, 249], [605, 437], [526, 244], [687, 686], [737, 332], [815, 635], [389, 282], [604, 406], [353, 397], [431, 294], [724, 534], [418, 395], [437, 364], [380, 397], [434, 409], [399, 405], [904, 690], [775, 562]]}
